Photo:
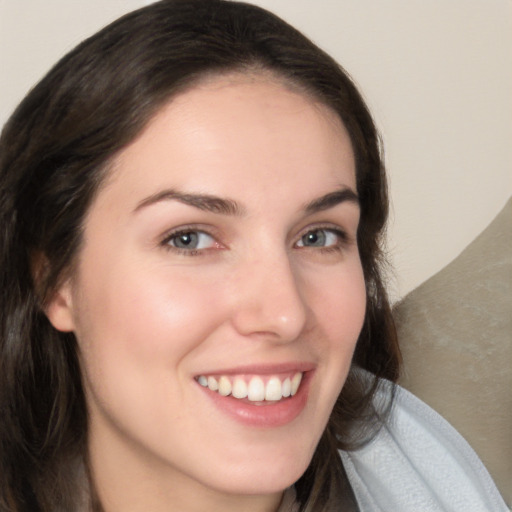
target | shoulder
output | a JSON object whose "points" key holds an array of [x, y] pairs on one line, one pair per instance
{"points": [[418, 461]]}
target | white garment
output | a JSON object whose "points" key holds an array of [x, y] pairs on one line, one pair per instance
{"points": [[419, 463]]}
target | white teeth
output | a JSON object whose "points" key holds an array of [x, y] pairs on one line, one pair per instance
{"points": [[213, 384], [273, 391], [239, 388], [287, 388], [224, 386], [255, 390], [296, 383]]}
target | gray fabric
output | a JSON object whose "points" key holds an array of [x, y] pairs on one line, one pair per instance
{"points": [[455, 331]]}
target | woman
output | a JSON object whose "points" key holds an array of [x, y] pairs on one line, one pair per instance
{"points": [[193, 315]]}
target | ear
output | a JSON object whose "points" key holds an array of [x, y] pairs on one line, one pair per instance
{"points": [[59, 308]]}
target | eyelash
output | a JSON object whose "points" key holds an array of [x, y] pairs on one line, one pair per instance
{"points": [[343, 240], [166, 242]]}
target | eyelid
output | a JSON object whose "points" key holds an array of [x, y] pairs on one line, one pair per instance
{"points": [[343, 234], [191, 228]]}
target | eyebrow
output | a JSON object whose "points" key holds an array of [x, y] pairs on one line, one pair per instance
{"points": [[331, 200], [225, 206], [204, 202]]}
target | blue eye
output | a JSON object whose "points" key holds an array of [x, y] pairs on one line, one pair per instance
{"points": [[320, 238], [190, 240]]}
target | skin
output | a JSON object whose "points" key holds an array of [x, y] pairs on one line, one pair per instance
{"points": [[150, 318]]}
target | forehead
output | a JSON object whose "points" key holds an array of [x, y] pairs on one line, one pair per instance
{"points": [[235, 129]]}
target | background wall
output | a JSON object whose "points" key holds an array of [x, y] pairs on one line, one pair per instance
{"points": [[437, 76]]}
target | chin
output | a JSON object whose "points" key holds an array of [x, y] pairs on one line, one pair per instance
{"points": [[264, 476]]}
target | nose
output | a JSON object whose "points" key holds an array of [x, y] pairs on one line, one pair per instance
{"points": [[269, 299]]}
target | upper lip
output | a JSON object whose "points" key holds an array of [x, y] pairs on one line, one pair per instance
{"points": [[263, 369]]}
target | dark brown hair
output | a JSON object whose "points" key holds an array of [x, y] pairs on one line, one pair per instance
{"points": [[54, 153]]}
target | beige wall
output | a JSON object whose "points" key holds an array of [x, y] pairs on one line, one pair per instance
{"points": [[437, 75]]}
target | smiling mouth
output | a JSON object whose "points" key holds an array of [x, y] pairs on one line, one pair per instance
{"points": [[256, 388]]}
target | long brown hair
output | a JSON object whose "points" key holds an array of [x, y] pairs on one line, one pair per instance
{"points": [[54, 153]]}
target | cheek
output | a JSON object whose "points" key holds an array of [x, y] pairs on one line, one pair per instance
{"points": [[339, 309], [137, 335], [340, 304], [136, 327], [145, 311]]}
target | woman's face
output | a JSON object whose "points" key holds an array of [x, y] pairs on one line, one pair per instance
{"points": [[220, 253]]}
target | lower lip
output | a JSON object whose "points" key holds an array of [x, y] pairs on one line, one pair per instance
{"points": [[269, 415]]}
